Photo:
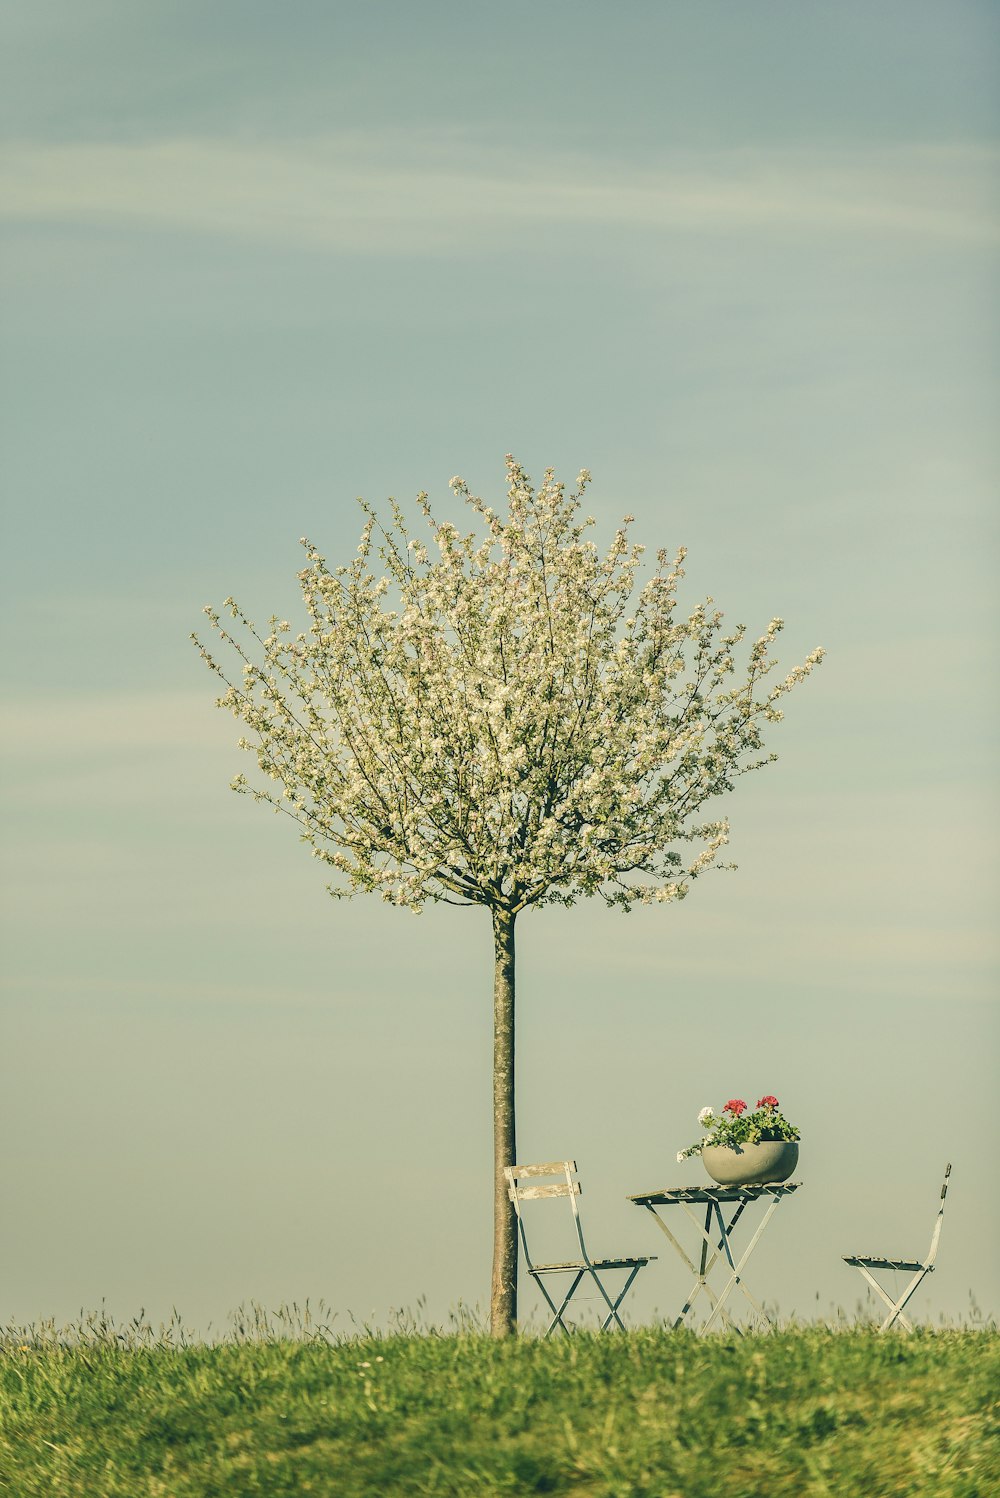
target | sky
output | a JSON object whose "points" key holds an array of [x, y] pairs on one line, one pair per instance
{"points": [[740, 261]]}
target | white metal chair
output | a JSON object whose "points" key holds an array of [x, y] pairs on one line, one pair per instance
{"points": [[579, 1267], [865, 1263]]}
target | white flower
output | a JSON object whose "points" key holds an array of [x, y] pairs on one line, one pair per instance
{"points": [[706, 1115], [418, 746], [680, 1156]]}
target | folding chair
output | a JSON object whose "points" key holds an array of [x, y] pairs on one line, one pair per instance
{"points": [[579, 1267], [865, 1263]]}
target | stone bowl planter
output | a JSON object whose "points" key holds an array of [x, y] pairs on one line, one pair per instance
{"points": [[751, 1164]]}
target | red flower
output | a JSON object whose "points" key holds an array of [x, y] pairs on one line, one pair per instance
{"points": [[735, 1106], [767, 1102]]}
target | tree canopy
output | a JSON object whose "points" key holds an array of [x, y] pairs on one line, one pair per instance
{"points": [[505, 719]]}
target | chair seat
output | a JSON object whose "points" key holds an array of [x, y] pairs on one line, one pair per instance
{"points": [[593, 1264], [876, 1261]]}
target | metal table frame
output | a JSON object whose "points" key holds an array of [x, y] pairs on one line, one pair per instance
{"points": [[716, 1241]]}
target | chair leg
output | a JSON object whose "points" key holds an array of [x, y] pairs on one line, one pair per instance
{"points": [[557, 1312], [612, 1305], [613, 1312], [894, 1316], [895, 1306], [897, 1313]]}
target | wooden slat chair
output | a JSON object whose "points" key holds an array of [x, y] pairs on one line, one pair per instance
{"points": [[577, 1267], [865, 1263]]}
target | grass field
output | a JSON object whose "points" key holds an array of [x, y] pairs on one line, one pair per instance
{"points": [[647, 1414]]}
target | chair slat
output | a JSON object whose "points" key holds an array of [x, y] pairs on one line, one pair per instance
{"points": [[876, 1261], [555, 1168], [532, 1193]]}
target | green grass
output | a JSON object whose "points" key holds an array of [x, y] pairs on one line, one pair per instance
{"points": [[647, 1414]]}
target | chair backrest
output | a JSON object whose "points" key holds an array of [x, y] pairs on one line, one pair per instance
{"points": [[567, 1185], [935, 1236]]}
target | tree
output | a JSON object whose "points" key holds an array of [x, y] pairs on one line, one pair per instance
{"points": [[503, 719]]}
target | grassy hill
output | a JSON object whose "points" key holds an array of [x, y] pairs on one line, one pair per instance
{"points": [[647, 1414]]}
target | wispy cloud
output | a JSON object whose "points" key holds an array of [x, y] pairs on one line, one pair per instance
{"points": [[389, 195]]}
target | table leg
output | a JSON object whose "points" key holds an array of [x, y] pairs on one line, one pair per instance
{"points": [[702, 1272], [706, 1264], [735, 1277]]}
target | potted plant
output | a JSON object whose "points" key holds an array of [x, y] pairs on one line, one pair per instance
{"points": [[741, 1148]]}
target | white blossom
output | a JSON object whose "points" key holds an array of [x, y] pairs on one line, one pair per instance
{"points": [[510, 718]]}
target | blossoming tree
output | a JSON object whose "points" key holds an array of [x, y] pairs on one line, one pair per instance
{"points": [[502, 718]]}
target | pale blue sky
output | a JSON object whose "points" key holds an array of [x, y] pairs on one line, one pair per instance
{"points": [[740, 260]]}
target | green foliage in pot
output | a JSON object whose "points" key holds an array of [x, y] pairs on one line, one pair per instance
{"points": [[735, 1126]]}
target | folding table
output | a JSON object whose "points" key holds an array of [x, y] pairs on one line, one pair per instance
{"points": [[717, 1237]]}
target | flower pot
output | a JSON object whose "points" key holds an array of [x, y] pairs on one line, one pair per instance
{"points": [[751, 1164]]}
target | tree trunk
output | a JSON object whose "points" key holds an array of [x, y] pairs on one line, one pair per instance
{"points": [[503, 1292]]}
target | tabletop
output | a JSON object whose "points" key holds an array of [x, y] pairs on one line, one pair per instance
{"points": [[667, 1196]]}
